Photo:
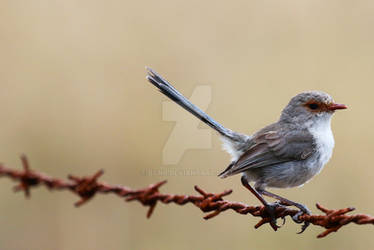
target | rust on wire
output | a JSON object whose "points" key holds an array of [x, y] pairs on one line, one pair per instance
{"points": [[213, 204]]}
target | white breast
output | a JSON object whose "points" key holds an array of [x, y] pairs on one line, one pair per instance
{"points": [[321, 130]]}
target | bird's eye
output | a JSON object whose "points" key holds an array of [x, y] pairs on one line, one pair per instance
{"points": [[313, 106]]}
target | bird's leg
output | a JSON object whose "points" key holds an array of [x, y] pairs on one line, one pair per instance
{"points": [[270, 207], [303, 208]]}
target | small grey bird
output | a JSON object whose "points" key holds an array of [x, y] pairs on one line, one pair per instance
{"points": [[285, 154]]}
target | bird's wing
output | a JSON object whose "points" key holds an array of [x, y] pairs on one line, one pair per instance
{"points": [[272, 147]]}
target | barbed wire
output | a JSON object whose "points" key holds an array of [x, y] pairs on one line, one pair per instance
{"points": [[213, 204]]}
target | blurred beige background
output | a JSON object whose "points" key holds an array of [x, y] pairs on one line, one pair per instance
{"points": [[73, 97]]}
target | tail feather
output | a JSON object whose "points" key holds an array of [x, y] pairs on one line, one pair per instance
{"points": [[235, 143], [167, 89]]}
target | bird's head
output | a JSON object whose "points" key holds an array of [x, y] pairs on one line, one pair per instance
{"points": [[310, 106]]}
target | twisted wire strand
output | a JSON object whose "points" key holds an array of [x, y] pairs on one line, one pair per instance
{"points": [[211, 203]]}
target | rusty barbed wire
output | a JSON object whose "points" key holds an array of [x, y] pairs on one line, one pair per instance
{"points": [[214, 204]]}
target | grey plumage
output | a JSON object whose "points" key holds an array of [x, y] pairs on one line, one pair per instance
{"points": [[273, 145], [287, 153], [284, 154]]}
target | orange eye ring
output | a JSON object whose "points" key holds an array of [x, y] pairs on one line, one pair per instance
{"points": [[315, 106]]}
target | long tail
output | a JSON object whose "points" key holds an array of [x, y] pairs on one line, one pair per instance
{"points": [[168, 90]]}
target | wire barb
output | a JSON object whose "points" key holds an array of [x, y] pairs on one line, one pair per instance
{"points": [[213, 204]]}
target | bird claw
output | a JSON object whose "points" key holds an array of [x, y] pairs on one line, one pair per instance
{"points": [[270, 209], [284, 221], [296, 218]]}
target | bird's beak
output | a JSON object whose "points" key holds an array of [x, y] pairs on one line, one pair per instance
{"points": [[335, 106]]}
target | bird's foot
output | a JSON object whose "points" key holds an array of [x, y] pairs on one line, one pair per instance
{"points": [[296, 217], [270, 209]]}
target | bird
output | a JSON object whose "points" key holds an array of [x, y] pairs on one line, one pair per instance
{"points": [[284, 154]]}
